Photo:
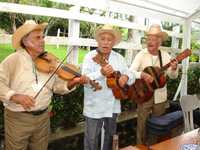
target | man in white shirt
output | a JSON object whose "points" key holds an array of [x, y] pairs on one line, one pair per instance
{"points": [[26, 118], [101, 107], [150, 57]]}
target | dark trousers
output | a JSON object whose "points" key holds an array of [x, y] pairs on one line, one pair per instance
{"points": [[93, 132]]}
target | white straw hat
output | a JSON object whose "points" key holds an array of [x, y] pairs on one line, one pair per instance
{"points": [[155, 29], [23, 30], [109, 29]]}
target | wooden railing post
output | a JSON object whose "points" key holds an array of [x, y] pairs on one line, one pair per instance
{"points": [[115, 144]]}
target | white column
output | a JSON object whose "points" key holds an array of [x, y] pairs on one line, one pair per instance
{"points": [[185, 62], [58, 35], [175, 43], [73, 34]]}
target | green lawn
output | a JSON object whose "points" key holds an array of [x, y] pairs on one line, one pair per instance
{"points": [[6, 49]]}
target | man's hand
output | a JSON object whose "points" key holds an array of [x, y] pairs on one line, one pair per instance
{"points": [[123, 80], [26, 101], [78, 80], [82, 80], [146, 77], [174, 64], [107, 70]]}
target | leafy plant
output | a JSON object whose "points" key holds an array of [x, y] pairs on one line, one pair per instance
{"points": [[193, 82], [67, 109]]}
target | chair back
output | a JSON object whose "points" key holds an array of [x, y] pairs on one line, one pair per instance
{"points": [[188, 104]]}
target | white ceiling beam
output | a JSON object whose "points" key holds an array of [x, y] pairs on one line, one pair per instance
{"points": [[53, 12], [160, 14], [145, 12], [196, 21], [125, 8], [163, 6], [102, 4], [195, 15]]}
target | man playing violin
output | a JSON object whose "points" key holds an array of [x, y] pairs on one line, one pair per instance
{"points": [[101, 107], [27, 123], [151, 57]]}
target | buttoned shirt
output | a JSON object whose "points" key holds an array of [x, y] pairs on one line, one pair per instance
{"points": [[102, 103], [144, 59], [18, 75]]}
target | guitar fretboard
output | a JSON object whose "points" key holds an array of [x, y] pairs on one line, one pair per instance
{"points": [[178, 58]]}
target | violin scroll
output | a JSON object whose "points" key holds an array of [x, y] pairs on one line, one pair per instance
{"points": [[95, 85], [100, 59]]}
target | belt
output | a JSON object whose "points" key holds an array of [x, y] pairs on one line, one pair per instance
{"points": [[37, 112]]}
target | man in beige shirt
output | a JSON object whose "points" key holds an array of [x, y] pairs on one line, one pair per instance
{"points": [[150, 57], [26, 117]]}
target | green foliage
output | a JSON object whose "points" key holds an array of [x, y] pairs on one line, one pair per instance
{"points": [[169, 26], [11, 19], [87, 29], [5, 22], [172, 85], [195, 46], [44, 3], [67, 109], [55, 24], [58, 52], [167, 43], [193, 82]]}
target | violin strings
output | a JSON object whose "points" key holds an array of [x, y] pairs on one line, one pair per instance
{"points": [[71, 71], [70, 50]]}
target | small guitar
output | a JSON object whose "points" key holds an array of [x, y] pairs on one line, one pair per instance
{"points": [[140, 91], [112, 81]]}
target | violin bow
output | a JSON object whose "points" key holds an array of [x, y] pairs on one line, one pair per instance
{"points": [[70, 50]]}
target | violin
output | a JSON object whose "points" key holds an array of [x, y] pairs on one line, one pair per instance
{"points": [[48, 63], [113, 80]]}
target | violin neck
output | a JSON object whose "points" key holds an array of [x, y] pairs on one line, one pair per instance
{"points": [[71, 71], [100, 58]]}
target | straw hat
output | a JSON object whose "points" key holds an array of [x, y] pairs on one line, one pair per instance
{"points": [[109, 29], [23, 30], [155, 29]]}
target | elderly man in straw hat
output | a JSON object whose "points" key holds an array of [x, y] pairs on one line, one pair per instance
{"points": [[26, 118], [101, 108], [152, 56]]}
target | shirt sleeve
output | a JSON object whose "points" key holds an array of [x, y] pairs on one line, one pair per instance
{"points": [[88, 69], [136, 65], [7, 70]]}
